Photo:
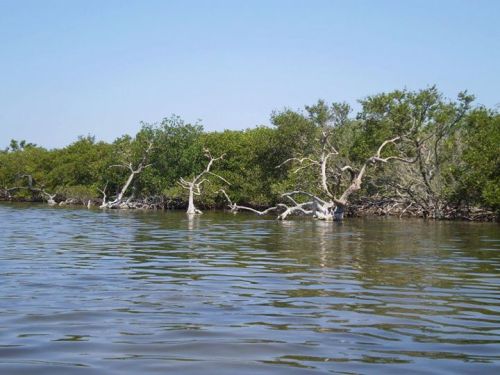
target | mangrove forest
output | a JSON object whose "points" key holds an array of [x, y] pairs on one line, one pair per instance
{"points": [[404, 153]]}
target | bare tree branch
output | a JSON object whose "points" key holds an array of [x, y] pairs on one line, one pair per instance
{"points": [[194, 186], [235, 208], [133, 172]]}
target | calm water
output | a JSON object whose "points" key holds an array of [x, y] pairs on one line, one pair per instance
{"points": [[91, 292]]}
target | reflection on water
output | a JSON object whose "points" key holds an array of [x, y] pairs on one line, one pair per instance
{"points": [[156, 292]]}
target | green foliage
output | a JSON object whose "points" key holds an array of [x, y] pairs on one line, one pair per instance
{"points": [[295, 134], [478, 171], [177, 152], [34, 161], [457, 151], [79, 192], [83, 162], [246, 164]]}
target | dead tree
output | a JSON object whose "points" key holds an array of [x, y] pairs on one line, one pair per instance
{"points": [[119, 202], [50, 198], [104, 195], [332, 207], [235, 208], [194, 185], [31, 187]]}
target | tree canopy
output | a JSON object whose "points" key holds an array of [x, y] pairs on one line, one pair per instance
{"points": [[453, 146]]}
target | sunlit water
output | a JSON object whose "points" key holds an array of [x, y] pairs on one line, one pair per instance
{"points": [[91, 292]]}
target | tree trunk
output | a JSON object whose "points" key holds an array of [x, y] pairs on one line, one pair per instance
{"points": [[191, 208], [125, 187], [338, 213], [198, 181]]}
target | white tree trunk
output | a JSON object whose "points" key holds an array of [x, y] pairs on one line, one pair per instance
{"points": [[50, 200], [192, 210], [194, 186], [125, 187], [334, 208], [118, 202]]}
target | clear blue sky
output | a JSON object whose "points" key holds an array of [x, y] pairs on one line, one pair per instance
{"points": [[78, 67]]}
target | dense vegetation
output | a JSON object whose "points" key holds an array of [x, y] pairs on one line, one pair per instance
{"points": [[446, 159]]}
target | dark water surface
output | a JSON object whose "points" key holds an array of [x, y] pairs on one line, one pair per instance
{"points": [[91, 292]]}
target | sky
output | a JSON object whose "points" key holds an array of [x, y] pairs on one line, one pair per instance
{"points": [[92, 67]]}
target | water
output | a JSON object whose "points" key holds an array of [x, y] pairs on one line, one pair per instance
{"points": [[91, 292]]}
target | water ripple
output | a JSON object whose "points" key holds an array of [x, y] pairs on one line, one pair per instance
{"points": [[142, 292]]}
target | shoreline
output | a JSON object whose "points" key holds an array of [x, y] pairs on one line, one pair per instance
{"points": [[362, 208]]}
